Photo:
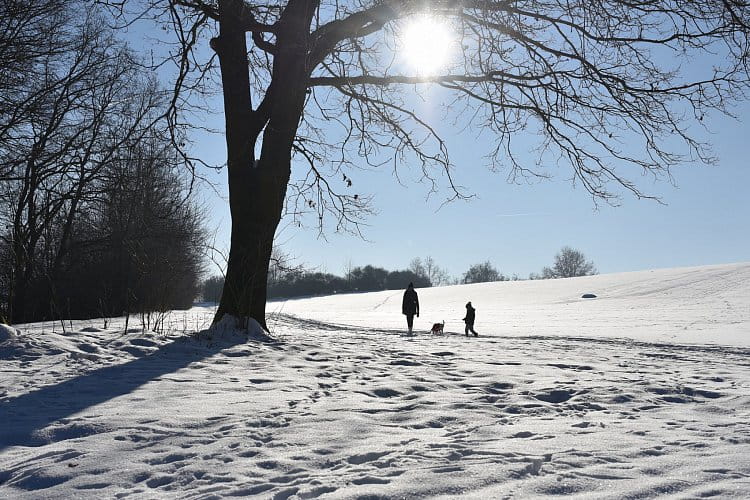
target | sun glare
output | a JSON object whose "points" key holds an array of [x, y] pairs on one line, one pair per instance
{"points": [[426, 45]]}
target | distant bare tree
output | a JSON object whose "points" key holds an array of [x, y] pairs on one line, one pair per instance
{"points": [[369, 278], [436, 274], [417, 267], [483, 273], [569, 263], [610, 88], [429, 269], [348, 268]]}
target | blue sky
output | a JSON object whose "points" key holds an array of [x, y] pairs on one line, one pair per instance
{"points": [[705, 218]]}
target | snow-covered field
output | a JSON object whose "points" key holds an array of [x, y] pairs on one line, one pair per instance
{"points": [[641, 392], [708, 305]]}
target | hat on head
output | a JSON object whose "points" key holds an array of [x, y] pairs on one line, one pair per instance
{"points": [[411, 285]]}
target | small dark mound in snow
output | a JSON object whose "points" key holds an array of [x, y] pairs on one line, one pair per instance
{"points": [[143, 343], [588, 296], [555, 396], [386, 393], [404, 362], [442, 353]]}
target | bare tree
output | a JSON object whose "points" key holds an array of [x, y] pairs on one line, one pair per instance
{"points": [[148, 229], [417, 267], [137, 245], [569, 263], [71, 97], [348, 268], [30, 31], [483, 273], [436, 274], [429, 269], [602, 84]]}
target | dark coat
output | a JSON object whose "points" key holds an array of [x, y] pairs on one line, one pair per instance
{"points": [[470, 313], [410, 304]]}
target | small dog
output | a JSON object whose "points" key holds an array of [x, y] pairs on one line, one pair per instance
{"points": [[437, 328]]}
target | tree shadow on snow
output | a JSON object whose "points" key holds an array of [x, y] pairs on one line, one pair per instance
{"points": [[23, 419]]}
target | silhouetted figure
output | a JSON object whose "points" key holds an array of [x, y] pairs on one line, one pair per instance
{"points": [[410, 305], [469, 319]]}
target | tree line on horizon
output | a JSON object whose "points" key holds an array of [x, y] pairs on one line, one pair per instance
{"points": [[286, 281]]}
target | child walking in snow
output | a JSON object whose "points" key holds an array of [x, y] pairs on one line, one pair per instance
{"points": [[469, 319]]}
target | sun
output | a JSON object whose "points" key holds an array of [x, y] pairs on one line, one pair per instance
{"points": [[426, 44]]}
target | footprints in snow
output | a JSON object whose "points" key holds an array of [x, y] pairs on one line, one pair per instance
{"points": [[339, 420]]}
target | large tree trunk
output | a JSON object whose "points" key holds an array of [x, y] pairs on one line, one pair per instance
{"points": [[255, 216], [257, 189], [254, 222]]}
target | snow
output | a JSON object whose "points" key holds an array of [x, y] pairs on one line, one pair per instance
{"points": [[641, 392], [7, 332], [687, 305], [230, 326]]}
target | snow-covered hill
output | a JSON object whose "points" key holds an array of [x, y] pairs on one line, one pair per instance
{"points": [[709, 304], [641, 392]]}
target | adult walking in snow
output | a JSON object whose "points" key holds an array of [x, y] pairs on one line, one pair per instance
{"points": [[469, 319], [410, 305]]}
